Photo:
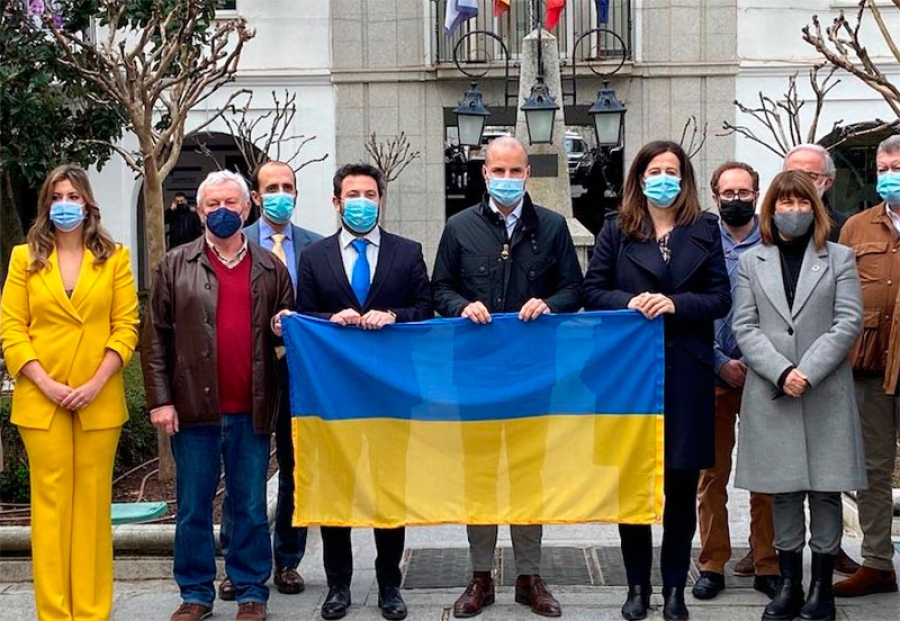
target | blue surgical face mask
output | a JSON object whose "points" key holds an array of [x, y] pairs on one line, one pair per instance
{"points": [[662, 189], [66, 216], [360, 214], [888, 187], [223, 223], [278, 207], [507, 192]]}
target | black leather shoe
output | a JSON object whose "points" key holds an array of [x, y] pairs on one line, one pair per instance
{"points": [[392, 605], [769, 585], [637, 602], [337, 602], [708, 585], [674, 608]]}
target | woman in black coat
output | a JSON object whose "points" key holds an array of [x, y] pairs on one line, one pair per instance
{"points": [[663, 257]]}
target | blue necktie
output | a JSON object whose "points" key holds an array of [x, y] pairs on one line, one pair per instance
{"points": [[359, 280]]}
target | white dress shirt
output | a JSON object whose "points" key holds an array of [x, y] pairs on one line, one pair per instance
{"points": [[349, 253], [512, 219]]}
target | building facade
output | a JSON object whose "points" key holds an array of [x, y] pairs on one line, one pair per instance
{"points": [[385, 66]]}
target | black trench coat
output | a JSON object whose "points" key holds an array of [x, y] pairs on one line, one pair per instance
{"points": [[697, 282]]}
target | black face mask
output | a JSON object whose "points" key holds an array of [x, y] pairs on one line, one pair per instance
{"points": [[737, 212]]}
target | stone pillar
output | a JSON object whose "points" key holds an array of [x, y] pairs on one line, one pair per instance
{"points": [[547, 189], [549, 183]]}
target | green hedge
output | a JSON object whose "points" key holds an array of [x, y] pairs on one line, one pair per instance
{"points": [[137, 444]]}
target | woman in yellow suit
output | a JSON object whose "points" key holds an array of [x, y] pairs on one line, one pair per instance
{"points": [[68, 324]]}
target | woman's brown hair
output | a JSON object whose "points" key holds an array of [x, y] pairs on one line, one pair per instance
{"points": [[41, 239], [793, 184], [634, 217]]}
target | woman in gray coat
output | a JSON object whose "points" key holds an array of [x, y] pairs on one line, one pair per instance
{"points": [[798, 311]]}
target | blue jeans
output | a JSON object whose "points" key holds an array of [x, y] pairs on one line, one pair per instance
{"points": [[198, 452], [288, 541]]}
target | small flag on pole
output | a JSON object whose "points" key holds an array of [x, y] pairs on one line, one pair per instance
{"points": [[459, 11], [554, 10], [603, 11], [500, 7]]}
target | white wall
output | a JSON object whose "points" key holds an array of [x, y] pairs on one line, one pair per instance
{"points": [[772, 29]]}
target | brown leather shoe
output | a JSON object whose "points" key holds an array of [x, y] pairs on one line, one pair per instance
{"points": [[845, 565], [745, 566], [191, 612], [478, 594], [866, 582], [289, 581], [251, 611], [532, 591], [227, 592]]}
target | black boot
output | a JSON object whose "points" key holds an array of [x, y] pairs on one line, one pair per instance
{"points": [[673, 604], [637, 602], [819, 605], [789, 598]]}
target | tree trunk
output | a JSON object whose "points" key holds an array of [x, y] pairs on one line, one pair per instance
{"points": [[156, 248], [11, 232]]}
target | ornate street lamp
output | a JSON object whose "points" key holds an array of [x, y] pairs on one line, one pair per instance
{"points": [[470, 117], [471, 113], [608, 114], [540, 113]]}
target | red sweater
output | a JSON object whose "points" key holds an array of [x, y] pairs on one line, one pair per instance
{"points": [[234, 336]]}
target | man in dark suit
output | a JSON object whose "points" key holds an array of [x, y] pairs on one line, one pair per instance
{"points": [[363, 277], [275, 193]]}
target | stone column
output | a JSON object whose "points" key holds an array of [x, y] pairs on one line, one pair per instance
{"points": [[549, 183]]}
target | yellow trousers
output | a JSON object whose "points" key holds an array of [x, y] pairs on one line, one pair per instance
{"points": [[71, 530]]}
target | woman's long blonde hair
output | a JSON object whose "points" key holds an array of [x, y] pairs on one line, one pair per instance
{"points": [[41, 239]]}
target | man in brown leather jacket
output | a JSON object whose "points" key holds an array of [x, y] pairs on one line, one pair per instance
{"points": [[874, 235], [211, 381]]}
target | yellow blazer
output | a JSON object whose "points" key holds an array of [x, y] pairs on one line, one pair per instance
{"points": [[69, 337]]}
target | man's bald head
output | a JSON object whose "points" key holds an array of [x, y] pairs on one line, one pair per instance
{"points": [[509, 146]]}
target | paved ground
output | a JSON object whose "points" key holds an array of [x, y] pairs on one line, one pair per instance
{"points": [[582, 599]]}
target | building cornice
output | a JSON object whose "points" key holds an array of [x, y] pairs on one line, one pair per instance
{"points": [[449, 72]]}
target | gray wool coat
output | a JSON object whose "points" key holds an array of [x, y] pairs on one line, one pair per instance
{"points": [[814, 442]]}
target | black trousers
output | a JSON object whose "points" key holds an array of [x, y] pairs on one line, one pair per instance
{"points": [[289, 542], [679, 525], [337, 554]]}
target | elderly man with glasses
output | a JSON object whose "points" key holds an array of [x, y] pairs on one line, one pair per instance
{"points": [[816, 161]]}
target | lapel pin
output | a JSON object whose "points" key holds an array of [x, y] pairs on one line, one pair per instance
{"points": [[815, 268]]}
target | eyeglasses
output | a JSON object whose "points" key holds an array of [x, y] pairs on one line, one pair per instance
{"points": [[744, 195]]}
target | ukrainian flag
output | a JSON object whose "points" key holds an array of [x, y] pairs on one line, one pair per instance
{"points": [[558, 420]]}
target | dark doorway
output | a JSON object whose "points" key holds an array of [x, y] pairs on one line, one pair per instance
{"points": [[202, 154]]}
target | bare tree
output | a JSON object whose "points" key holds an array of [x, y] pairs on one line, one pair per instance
{"points": [[841, 47], [156, 66], [698, 137], [263, 138], [157, 69], [391, 157], [783, 118]]}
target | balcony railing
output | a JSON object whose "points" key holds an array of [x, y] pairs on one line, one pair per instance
{"points": [[579, 17]]}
